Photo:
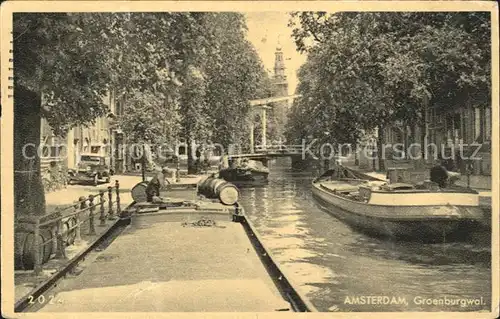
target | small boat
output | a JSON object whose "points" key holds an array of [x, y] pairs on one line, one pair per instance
{"points": [[246, 171], [422, 212]]}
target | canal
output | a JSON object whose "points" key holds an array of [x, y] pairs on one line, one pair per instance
{"points": [[339, 269]]}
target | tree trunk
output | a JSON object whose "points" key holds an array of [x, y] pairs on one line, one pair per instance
{"points": [[413, 138], [191, 169], [356, 158], [29, 197], [423, 140], [380, 149]]}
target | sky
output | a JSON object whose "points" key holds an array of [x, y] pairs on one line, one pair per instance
{"points": [[265, 29]]}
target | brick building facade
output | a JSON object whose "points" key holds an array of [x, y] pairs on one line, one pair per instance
{"points": [[102, 137]]}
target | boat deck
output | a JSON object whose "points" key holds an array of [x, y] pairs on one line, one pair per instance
{"points": [[158, 263]]}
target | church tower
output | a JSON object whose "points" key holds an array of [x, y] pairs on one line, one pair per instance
{"points": [[280, 81], [280, 88]]}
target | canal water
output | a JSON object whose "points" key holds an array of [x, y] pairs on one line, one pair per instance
{"points": [[340, 269]]}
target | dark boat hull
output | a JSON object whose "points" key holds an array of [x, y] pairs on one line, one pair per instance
{"points": [[358, 217], [241, 175]]}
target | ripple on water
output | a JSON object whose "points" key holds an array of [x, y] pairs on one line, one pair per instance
{"points": [[330, 261], [294, 254], [280, 242], [307, 273], [291, 229], [292, 217]]}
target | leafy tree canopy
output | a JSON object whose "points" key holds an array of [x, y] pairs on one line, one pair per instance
{"points": [[366, 70]]}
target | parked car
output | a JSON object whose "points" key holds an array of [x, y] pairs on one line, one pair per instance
{"points": [[92, 168]]}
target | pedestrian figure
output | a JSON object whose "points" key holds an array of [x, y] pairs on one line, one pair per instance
{"points": [[153, 189], [439, 174], [159, 181], [163, 176]]}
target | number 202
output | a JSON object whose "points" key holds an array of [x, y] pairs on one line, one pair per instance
{"points": [[41, 299]]}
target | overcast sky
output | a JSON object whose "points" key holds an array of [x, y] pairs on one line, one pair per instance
{"points": [[264, 31]]}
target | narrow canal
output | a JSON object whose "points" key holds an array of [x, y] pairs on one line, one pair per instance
{"points": [[336, 266]]}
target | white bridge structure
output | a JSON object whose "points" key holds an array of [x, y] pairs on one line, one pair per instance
{"points": [[263, 105], [271, 151]]}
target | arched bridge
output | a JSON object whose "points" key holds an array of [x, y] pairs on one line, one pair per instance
{"points": [[271, 151]]}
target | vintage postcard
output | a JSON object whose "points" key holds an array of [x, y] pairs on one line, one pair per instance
{"points": [[250, 159]]}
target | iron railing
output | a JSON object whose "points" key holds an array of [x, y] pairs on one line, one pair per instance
{"points": [[84, 212]]}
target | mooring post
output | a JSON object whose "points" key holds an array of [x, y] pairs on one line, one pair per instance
{"points": [[118, 209], [91, 215], [37, 266], [110, 203], [102, 217]]}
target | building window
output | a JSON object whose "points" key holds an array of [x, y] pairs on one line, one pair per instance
{"points": [[463, 136], [456, 128], [118, 108], [487, 124], [182, 150], [477, 123]]}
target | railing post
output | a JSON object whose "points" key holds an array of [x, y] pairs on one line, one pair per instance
{"points": [[110, 203], [177, 173], [103, 213], [37, 266], [53, 231], [79, 208], [60, 249], [118, 209], [91, 215]]}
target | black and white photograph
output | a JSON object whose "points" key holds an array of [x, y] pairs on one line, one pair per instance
{"points": [[250, 157]]}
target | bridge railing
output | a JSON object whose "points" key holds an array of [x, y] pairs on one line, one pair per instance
{"points": [[285, 149], [53, 232]]}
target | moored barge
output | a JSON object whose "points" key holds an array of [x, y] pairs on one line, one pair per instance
{"points": [[182, 252], [413, 212]]}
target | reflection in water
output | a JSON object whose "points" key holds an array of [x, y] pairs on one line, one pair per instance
{"points": [[334, 264]]}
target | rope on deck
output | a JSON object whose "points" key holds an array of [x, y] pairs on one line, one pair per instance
{"points": [[203, 222]]}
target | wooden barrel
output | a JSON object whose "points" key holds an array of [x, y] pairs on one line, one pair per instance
{"points": [[204, 186], [24, 249], [139, 192], [19, 252], [226, 192]]}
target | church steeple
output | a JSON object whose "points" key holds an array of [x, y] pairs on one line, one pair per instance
{"points": [[280, 81], [279, 64]]}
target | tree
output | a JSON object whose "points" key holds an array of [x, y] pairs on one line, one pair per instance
{"points": [[156, 116], [376, 68], [73, 60], [235, 75], [50, 58]]}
